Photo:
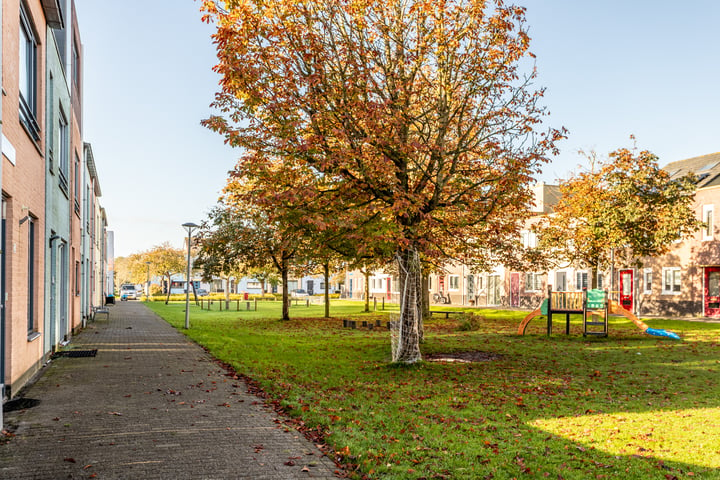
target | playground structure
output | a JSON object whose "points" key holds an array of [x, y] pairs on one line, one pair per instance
{"points": [[595, 307]]}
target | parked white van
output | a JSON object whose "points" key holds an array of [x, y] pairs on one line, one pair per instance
{"points": [[128, 291]]}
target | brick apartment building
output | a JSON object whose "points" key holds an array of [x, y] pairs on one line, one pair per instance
{"points": [[42, 175]]}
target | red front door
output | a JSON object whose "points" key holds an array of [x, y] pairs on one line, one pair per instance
{"points": [[712, 292], [514, 289], [626, 289]]}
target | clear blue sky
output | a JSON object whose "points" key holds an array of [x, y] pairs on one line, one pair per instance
{"points": [[611, 69]]}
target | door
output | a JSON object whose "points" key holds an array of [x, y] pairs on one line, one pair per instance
{"points": [[626, 289], [712, 292], [311, 287], [514, 289], [3, 269], [493, 290], [560, 282]]}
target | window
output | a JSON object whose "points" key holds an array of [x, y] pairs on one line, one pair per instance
{"points": [[600, 279], [671, 281], [77, 278], [709, 229], [64, 150], [454, 282], [581, 280], [28, 75], [529, 239], [533, 282], [76, 64], [77, 184], [647, 281], [494, 286], [32, 284]]}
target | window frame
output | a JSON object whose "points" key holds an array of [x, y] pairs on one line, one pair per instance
{"points": [[64, 150], [77, 183], [678, 278], [581, 280], [453, 279], [28, 55], [32, 275], [533, 282], [708, 232], [647, 281]]}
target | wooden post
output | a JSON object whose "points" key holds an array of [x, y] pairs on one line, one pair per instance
{"points": [[549, 311], [256, 304], [374, 304], [248, 306], [237, 306], [307, 302], [220, 302], [383, 304]]}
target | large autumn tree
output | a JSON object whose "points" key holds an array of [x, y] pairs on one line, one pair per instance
{"points": [[626, 206], [413, 113]]}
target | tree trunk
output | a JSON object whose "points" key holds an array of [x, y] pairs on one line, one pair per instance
{"points": [[194, 293], [285, 297], [227, 289], [262, 288], [326, 272], [425, 304], [367, 289], [407, 349], [594, 276], [169, 282]]}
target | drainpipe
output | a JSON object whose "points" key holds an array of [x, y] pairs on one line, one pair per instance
{"points": [[2, 273]]}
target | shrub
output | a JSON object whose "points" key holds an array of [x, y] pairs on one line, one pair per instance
{"points": [[469, 322]]}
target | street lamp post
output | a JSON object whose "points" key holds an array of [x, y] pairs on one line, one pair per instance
{"points": [[189, 227], [147, 285]]}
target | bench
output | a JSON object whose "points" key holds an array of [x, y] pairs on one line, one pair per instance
{"points": [[447, 313], [96, 310]]}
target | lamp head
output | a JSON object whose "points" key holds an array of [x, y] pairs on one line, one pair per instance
{"points": [[190, 225]]}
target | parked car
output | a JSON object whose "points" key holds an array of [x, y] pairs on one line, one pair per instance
{"points": [[298, 293], [128, 291]]}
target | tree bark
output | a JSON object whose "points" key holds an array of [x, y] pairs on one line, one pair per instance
{"points": [[408, 344], [367, 289], [285, 296], [194, 292], [326, 272], [169, 282]]}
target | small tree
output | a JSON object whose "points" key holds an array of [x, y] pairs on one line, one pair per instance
{"points": [[236, 233], [627, 204], [166, 261]]}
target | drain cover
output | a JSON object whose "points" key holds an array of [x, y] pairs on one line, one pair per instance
{"points": [[76, 353], [20, 404]]}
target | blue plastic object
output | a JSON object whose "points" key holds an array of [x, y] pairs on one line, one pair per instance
{"points": [[659, 332]]}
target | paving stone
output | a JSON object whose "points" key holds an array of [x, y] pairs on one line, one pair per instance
{"points": [[150, 405]]}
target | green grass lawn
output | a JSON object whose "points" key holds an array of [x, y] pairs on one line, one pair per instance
{"points": [[630, 406]]}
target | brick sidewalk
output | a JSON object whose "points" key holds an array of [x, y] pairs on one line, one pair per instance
{"points": [[150, 405]]}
